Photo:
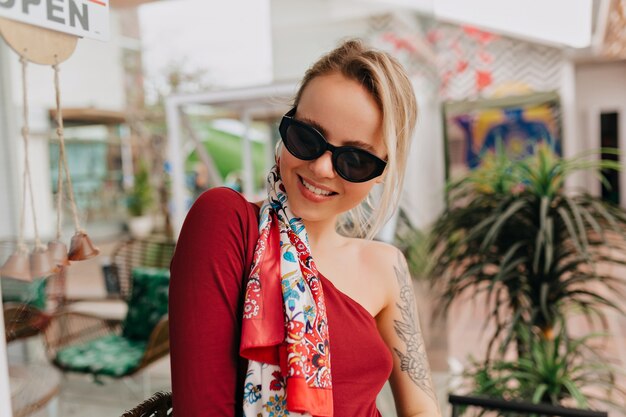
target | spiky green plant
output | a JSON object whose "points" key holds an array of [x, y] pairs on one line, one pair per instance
{"points": [[549, 372], [513, 232], [413, 243]]}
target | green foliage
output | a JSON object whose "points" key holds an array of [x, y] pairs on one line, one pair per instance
{"points": [[513, 233], [414, 245], [140, 199], [550, 371], [538, 253]]}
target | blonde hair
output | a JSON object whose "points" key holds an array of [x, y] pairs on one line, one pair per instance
{"points": [[387, 82]]}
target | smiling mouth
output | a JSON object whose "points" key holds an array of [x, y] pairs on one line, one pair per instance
{"points": [[315, 190]]}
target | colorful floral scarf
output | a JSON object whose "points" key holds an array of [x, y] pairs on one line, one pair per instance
{"points": [[284, 329]]}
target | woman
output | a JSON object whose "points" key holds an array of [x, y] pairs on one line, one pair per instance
{"points": [[273, 309]]}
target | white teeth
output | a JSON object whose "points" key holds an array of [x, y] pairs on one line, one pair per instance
{"points": [[315, 190]]}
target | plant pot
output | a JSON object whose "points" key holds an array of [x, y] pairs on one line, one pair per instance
{"points": [[140, 227]]}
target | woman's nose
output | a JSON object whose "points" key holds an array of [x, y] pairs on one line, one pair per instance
{"points": [[322, 167]]}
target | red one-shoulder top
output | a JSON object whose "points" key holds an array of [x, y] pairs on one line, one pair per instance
{"points": [[208, 273]]}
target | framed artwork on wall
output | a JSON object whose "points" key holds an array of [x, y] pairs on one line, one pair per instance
{"points": [[473, 128]]}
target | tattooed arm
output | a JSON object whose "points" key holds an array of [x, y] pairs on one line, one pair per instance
{"points": [[399, 326]]}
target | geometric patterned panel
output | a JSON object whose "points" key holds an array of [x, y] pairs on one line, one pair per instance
{"points": [[614, 45], [403, 36], [463, 62], [538, 66], [475, 64]]}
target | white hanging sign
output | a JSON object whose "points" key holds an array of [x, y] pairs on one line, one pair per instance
{"points": [[84, 18]]}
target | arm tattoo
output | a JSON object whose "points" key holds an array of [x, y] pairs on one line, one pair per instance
{"points": [[414, 361]]}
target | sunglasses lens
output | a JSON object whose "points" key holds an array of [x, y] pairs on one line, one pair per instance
{"points": [[306, 143], [303, 143], [357, 166]]}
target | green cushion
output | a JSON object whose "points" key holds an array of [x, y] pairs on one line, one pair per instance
{"points": [[111, 355], [148, 302], [31, 293]]}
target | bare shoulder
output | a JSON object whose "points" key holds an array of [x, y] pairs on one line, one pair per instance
{"points": [[387, 264], [379, 254]]}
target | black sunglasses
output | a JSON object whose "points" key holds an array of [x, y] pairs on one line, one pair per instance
{"points": [[305, 142]]}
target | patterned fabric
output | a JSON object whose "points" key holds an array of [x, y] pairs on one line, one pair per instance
{"points": [[116, 355], [31, 293], [148, 302], [285, 329], [111, 355]]}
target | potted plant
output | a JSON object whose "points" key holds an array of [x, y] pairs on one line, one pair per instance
{"points": [[536, 251], [556, 371], [139, 202]]}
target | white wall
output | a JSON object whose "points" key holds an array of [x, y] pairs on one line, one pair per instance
{"points": [[601, 87], [423, 196], [224, 44], [304, 30], [8, 166], [92, 77]]}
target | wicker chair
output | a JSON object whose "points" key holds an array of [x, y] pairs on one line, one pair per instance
{"points": [[79, 342], [22, 321], [23, 303], [84, 343], [159, 405], [155, 251]]}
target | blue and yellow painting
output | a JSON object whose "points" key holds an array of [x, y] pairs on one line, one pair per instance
{"points": [[520, 129]]}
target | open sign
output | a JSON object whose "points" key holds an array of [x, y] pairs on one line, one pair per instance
{"points": [[84, 18]]}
